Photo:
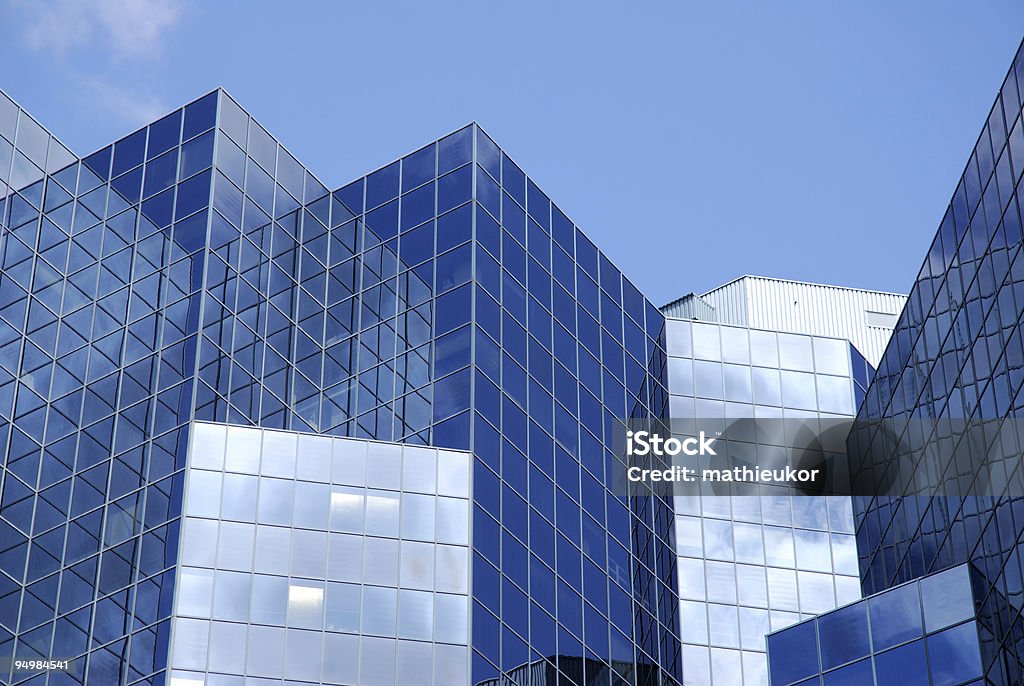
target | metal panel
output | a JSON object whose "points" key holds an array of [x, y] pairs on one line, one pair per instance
{"points": [[691, 306], [808, 308]]}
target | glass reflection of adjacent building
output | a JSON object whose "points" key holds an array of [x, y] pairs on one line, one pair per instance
{"points": [[190, 312], [941, 563], [749, 565]]}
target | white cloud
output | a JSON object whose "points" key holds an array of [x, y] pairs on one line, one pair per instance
{"points": [[128, 105], [104, 46], [127, 29], [138, 27]]}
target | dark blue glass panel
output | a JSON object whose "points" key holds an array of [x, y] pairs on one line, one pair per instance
{"points": [[903, 666], [193, 195], [455, 150], [454, 189], [382, 185], [98, 162], [161, 173], [418, 168], [351, 197], [200, 115], [488, 155], [857, 674], [451, 394], [129, 152], [417, 207], [164, 134], [954, 655], [793, 653], [538, 205], [453, 310], [454, 228], [895, 617], [513, 180], [452, 351]]}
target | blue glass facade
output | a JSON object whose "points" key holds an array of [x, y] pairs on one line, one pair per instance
{"points": [[750, 564], [101, 293], [921, 632], [954, 364], [321, 560], [194, 270]]}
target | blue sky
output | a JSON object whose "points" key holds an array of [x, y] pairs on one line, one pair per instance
{"points": [[693, 142]]}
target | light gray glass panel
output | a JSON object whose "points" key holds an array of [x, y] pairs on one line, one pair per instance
{"points": [[269, 601], [380, 561], [235, 546], [195, 592], [232, 591], [384, 466], [243, 450], [279, 450], [419, 469], [273, 547], [343, 603], [451, 618], [380, 607]]}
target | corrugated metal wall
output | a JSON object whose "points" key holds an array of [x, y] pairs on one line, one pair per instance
{"points": [[808, 308], [691, 306]]}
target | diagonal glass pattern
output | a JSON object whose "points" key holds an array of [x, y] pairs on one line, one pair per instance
{"points": [[194, 270]]}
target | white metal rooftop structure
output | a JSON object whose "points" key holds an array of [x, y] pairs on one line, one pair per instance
{"points": [[865, 318]]}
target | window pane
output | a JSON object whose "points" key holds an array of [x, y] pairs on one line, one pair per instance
{"points": [[305, 604], [895, 616], [903, 666], [843, 635], [723, 626], [231, 596], [196, 592], [269, 600], [954, 654], [379, 610], [415, 615], [947, 598], [342, 606]]}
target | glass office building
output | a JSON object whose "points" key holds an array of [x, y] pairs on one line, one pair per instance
{"points": [[750, 564], [921, 632], [939, 420], [194, 280], [321, 560], [865, 318]]}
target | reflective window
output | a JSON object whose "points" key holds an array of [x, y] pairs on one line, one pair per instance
{"points": [[380, 561], [269, 601], [895, 616], [305, 604], [343, 607], [954, 654], [379, 610], [903, 666], [235, 546], [196, 592], [843, 635], [231, 596], [793, 654], [942, 608], [706, 342]]}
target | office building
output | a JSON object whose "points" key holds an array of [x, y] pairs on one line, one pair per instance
{"points": [[750, 564], [940, 485], [189, 311], [865, 318]]}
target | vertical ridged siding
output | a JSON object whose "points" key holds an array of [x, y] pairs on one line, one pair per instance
{"points": [[807, 308], [690, 306]]}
